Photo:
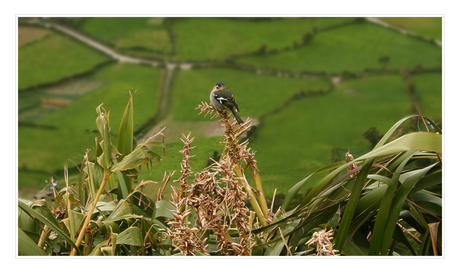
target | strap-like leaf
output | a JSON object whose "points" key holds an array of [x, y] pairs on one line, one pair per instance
{"points": [[27, 247], [44, 220], [384, 210], [141, 155], [296, 188], [352, 203], [131, 236], [397, 203], [125, 147]]}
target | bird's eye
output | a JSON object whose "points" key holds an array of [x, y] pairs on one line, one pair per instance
{"points": [[217, 85]]}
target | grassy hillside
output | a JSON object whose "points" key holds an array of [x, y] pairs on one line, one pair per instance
{"points": [[353, 48], [430, 101], [29, 34], [74, 126], [141, 33], [430, 27], [255, 94], [295, 142], [53, 58], [120, 78], [31, 109], [306, 120], [219, 38]]}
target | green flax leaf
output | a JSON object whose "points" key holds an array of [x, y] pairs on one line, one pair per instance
{"points": [[27, 247]]}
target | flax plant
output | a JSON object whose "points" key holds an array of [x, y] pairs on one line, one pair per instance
{"points": [[362, 200], [101, 210]]}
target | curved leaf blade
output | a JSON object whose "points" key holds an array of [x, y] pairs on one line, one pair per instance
{"points": [[26, 246], [418, 141], [352, 203], [44, 220], [397, 203], [131, 236], [125, 131], [384, 209], [296, 188]]}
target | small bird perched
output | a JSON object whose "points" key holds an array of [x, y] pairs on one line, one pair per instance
{"points": [[222, 99]]}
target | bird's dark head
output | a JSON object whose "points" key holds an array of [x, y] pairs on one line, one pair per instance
{"points": [[219, 86]]}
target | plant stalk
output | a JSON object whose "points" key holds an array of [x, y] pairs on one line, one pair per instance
{"points": [[43, 236], [88, 240], [260, 193], [252, 199], [88, 217]]}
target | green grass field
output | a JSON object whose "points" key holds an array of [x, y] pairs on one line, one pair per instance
{"points": [[121, 78], [218, 38], [426, 26], [255, 94], [28, 34], [353, 48], [48, 150], [129, 32], [29, 100], [31, 109], [294, 143], [53, 58], [428, 87]]}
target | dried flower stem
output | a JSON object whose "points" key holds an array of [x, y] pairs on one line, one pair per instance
{"points": [[184, 239], [218, 193], [410, 234], [163, 184], [185, 165], [285, 243]]}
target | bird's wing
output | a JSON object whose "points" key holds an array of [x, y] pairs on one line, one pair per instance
{"points": [[233, 102], [226, 99]]}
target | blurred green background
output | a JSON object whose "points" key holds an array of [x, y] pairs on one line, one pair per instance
{"points": [[314, 86]]}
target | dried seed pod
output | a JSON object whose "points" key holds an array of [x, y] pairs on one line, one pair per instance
{"points": [[322, 240]]}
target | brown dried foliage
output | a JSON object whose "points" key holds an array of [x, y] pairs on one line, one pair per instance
{"points": [[217, 195], [322, 239], [349, 158]]}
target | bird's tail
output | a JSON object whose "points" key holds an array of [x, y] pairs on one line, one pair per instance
{"points": [[237, 117]]}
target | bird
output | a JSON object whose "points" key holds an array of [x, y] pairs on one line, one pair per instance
{"points": [[222, 99]]}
